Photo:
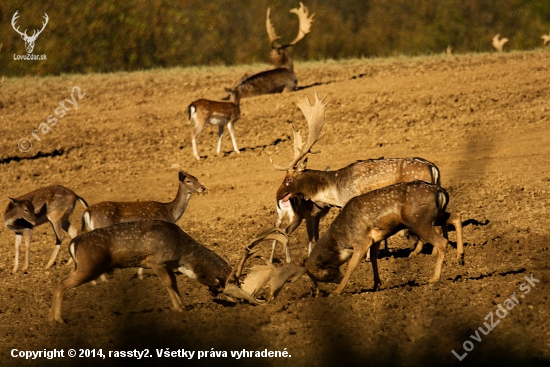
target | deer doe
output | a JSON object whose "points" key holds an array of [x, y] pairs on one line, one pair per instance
{"points": [[372, 217], [216, 113], [108, 213], [52, 204], [282, 78], [159, 245], [335, 188]]}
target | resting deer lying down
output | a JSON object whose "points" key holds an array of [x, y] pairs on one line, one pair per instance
{"points": [[323, 189], [156, 244], [52, 204], [282, 78], [107, 213], [370, 218]]}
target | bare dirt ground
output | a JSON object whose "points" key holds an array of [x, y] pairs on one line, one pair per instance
{"points": [[483, 119]]}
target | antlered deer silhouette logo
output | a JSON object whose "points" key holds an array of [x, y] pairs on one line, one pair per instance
{"points": [[29, 40]]}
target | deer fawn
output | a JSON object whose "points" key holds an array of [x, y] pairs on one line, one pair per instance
{"points": [[369, 218], [217, 113], [282, 78], [52, 204], [155, 244], [107, 213], [335, 188]]}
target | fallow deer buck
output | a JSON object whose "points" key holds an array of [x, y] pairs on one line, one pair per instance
{"points": [[108, 213], [336, 188], [52, 204], [155, 244], [282, 78], [216, 113], [369, 218]]}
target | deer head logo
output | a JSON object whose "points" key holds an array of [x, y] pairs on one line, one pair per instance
{"points": [[29, 40]]}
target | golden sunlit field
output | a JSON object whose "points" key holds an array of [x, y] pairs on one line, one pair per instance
{"points": [[483, 119]]}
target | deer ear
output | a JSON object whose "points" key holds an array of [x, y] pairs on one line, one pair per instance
{"points": [[13, 200], [302, 165], [182, 175]]}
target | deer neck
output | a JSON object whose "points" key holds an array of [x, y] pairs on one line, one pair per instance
{"points": [[322, 187], [178, 206], [282, 59]]}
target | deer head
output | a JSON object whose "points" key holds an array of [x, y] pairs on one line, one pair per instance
{"points": [[279, 57], [29, 40], [315, 117]]}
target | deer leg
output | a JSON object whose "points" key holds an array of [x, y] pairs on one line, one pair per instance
{"points": [[59, 236], [278, 223], [18, 240], [374, 252], [71, 230], [194, 135], [80, 276], [27, 237], [168, 278], [428, 234], [220, 136], [359, 251], [456, 220], [418, 246], [230, 127], [312, 225]]}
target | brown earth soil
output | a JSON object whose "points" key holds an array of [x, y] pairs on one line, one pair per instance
{"points": [[483, 119]]}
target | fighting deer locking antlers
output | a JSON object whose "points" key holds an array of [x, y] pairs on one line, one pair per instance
{"points": [[335, 188]]}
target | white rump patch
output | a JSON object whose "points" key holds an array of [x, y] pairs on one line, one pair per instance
{"points": [[71, 251], [345, 254], [88, 221], [187, 272]]}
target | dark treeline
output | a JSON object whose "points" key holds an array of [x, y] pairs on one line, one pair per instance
{"points": [[108, 35]]}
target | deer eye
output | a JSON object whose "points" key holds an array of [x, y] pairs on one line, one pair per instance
{"points": [[289, 179]]}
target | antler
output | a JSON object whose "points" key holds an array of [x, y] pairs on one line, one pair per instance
{"points": [[13, 19], [272, 233], [303, 28], [24, 34], [305, 23], [270, 29], [315, 117]]}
